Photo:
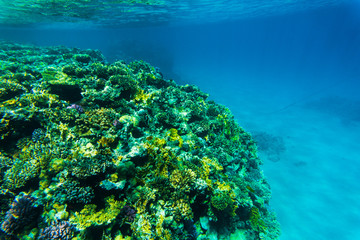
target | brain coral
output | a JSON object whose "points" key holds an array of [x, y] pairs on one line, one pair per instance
{"points": [[179, 161]]}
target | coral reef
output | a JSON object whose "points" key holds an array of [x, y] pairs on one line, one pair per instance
{"points": [[115, 151]]}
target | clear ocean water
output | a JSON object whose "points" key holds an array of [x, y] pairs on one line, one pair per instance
{"points": [[288, 70]]}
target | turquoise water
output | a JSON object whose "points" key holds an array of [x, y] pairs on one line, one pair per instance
{"points": [[117, 13], [288, 70]]}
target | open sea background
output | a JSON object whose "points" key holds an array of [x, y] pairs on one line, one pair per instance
{"points": [[288, 70]]}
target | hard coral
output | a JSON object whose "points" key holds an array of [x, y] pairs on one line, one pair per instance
{"points": [[22, 213], [21, 172], [62, 230], [221, 201], [72, 192], [256, 221], [182, 179], [89, 216], [129, 213], [78, 108]]}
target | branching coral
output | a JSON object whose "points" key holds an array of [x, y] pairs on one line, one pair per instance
{"points": [[182, 179], [182, 210]]}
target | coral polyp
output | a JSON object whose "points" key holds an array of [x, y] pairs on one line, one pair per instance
{"points": [[115, 151]]}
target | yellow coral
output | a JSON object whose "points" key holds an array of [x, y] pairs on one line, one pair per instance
{"points": [[61, 211], [5, 127], [209, 167], [181, 180], [44, 183], [224, 199], [63, 128], [159, 225], [174, 136], [114, 177], [7, 86], [11, 103], [88, 150], [38, 97], [222, 186], [55, 76], [142, 227], [162, 157], [57, 164], [101, 118], [210, 162], [117, 160], [120, 237], [182, 210], [167, 234], [161, 233], [88, 216], [146, 195], [105, 142], [256, 220], [129, 120], [143, 97]]}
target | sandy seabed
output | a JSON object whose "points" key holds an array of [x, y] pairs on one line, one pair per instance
{"points": [[314, 176]]}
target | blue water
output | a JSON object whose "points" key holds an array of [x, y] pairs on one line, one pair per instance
{"points": [[294, 75]]}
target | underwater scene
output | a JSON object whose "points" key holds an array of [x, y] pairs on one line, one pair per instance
{"points": [[179, 120]]}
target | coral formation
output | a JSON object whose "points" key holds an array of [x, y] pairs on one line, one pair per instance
{"points": [[23, 212], [61, 230], [115, 151], [129, 213]]}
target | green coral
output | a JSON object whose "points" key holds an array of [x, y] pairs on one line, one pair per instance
{"points": [[101, 118], [72, 192], [221, 201], [82, 58], [92, 164], [22, 171], [33, 160], [256, 221], [10, 89]]}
